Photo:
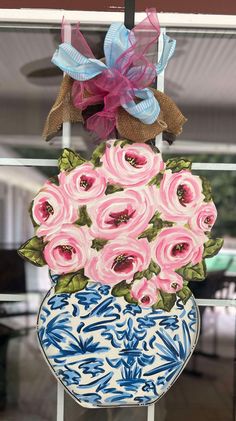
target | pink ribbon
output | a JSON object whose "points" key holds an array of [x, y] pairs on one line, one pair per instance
{"points": [[134, 69]]}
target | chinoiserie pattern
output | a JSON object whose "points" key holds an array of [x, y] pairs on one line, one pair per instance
{"points": [[108, 352]]}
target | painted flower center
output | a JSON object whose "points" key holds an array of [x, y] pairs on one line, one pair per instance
{"points": [[145, 299], [46, 210], [86, 182], [184, 194], [136, 161], [122, 217], [123, 263], [179, 249], [174, 285], [66, 251], [209, 221]]}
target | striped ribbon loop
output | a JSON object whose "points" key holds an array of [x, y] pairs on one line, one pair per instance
{"points": [[126, 74]]}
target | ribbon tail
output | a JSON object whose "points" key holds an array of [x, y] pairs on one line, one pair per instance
{"points": [[77, 39], [79, 67], [116, 42], [146, 110], [142, 51], [169, 45]]}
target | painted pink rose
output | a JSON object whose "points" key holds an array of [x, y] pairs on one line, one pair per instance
{"points": [[118, 261], [145, 292], [176, 247], [50, 210], [169, 281], [83, 184], [204, 218], [179, 195], [131, 165], [67, 251], [124, 213]]}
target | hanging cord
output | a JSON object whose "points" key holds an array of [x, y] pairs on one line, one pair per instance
{"points": [[129, 13]]}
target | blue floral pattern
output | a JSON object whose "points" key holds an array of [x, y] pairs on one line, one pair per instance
{"points": [[107, 352]]}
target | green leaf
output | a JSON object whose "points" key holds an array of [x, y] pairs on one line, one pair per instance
{"points": [[184, 294], [98, 243], [187, 226], [138, 275], [112, 188], [193, 273], [128, 297], [155, 149], [156, 180], [32, 251], [126, 142], [206, 189], [155, 218], [147, 274], [69, 160], [166, 301], [54, 180], [97, 154], [121, 289], [154, 267], [150, 233], [212, 247], [63, 282], [71, 282], [35, 225], [122, 143], [84, 218], [157, 225], [178, 164], [166, 224]]}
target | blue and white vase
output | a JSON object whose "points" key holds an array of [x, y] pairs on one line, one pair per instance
{"points": [[107, 352]]}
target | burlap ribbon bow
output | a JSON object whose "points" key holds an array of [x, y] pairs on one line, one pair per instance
{"points": [[119, 83]]}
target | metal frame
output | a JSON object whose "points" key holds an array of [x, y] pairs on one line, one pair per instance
{"points": [[27, 162], [183, 23], [54, 16]]}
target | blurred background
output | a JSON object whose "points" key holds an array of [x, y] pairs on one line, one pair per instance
{"points": [[201, 80]]}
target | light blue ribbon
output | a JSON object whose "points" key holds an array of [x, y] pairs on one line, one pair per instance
{"points": [[146, 110], [116, 42], [79, 67], [82, 68], [169, 45]]}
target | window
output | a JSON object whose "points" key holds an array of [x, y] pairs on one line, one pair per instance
{"points": [[200, 78]]}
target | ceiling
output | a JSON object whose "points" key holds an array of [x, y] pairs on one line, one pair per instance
{"points": [[200, 78], [201, 72]]}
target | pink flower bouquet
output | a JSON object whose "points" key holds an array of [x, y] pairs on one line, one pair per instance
{"points": [[126, 219]]}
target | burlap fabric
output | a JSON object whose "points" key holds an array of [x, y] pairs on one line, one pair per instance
{"points": [[170, 119], [62, 110]]}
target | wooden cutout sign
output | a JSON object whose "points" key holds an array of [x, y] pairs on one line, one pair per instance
{"points": [[122, 235]]}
